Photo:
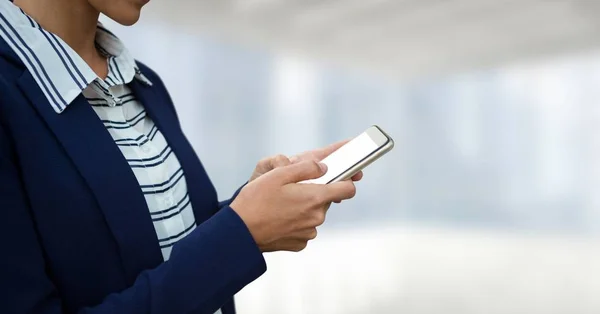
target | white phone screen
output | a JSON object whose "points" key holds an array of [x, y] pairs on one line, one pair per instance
{"points": [[345, 157]]}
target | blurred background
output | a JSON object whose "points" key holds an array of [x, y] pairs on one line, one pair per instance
{"points": [[490, 201]]}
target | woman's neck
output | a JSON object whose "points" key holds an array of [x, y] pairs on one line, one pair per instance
{"points": [[74, 21]]}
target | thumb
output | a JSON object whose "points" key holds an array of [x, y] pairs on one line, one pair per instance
{"points": [[301, 171]]}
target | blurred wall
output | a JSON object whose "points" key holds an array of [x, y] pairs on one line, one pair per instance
{"points": [[488, 204]]}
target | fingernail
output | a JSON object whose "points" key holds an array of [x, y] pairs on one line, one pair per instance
{"points": [[293, 159], [323, 166]]}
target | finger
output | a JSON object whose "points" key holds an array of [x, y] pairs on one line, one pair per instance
{"points": [[295, 159], [309, 155], [301, 171], [299, 246], [291, 244], [311, 234], [279, 161], [339, 191], [305, 234], [358, 176], [319, 216]]}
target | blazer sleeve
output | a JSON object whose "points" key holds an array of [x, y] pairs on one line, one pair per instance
{"points": [[227, 202], [204, 271]]}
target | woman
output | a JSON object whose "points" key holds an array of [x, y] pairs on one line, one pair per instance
{"points": [[105, 207]]}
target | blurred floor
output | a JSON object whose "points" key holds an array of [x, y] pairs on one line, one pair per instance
{"points": [[418, 270]]}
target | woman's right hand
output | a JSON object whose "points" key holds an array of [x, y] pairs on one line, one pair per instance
{"points": [[282, 214]]}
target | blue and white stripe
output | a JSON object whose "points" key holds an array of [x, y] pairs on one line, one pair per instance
{"points": [[151, 159], [62, 75]]}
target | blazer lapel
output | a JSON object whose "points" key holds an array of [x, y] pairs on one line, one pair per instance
{"points": [[100, 162], [158, 106]]}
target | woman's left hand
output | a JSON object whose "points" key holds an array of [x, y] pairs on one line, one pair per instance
{"points": [[267, 164]]}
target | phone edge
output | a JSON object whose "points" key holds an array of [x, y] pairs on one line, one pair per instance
{"points": [[367, 160]]}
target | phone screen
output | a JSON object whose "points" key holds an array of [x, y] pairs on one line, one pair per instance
{"points": [[345, 157]]}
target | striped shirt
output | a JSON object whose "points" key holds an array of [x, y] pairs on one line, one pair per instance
{"points": [[63, 75]]}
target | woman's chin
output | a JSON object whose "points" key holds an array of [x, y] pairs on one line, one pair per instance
{"points": [[125, 18]]}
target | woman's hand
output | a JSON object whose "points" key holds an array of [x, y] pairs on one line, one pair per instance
{"points": [[270, 163], [288, 224], [267, 164], [283, 215]]}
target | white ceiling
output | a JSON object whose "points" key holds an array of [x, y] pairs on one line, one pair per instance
{"points": [[404, 38]]}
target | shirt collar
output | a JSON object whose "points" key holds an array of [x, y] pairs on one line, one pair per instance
{"points": [[59, 71]]}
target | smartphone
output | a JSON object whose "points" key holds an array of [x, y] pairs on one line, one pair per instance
{"points": [[355, 155]]}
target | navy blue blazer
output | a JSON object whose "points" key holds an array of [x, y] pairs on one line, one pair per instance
{"points": [[76, 233]]}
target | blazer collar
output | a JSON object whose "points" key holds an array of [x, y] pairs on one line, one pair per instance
{"points": [[88, 144], [56, 68], [113, 184], [9, 55]]}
